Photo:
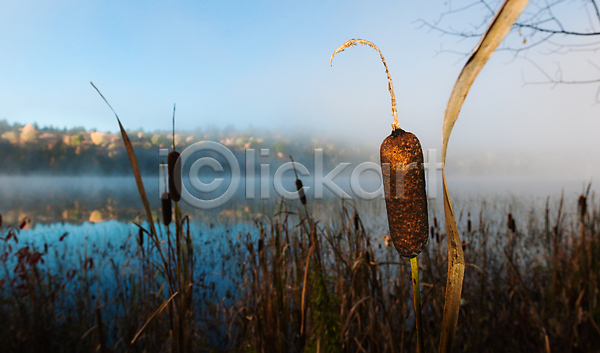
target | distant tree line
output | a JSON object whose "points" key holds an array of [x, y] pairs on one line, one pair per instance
{"points": [[28, 149]]}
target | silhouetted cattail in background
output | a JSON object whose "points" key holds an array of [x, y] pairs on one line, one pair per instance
{"points": [[511, 223], [166, 208], [174, 176], [300, 191], [582, 206], [261, 245], [469, 223], [299, 184], [140, 237], [25, 222]]}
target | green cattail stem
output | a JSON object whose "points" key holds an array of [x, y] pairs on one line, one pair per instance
{"points": [[417, 302]]}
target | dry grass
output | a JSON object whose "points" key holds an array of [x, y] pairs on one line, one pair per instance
{"points": [[298, 285]]}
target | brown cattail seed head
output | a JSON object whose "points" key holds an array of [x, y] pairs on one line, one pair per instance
{"points": [[469, 223], [24, 222], [174, 176], [141, 236], [300, 191], [582, 203], [511, 223], [405, 195], [166, 208], [261, 245]]}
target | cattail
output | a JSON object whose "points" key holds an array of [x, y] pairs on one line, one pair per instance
{"points": [[166, 208], [261, 245], [511, 223], [299, 184], [356, 221], [469, 223], [174, 176], [141, 237], [24, 222], [300, 191], [405, 195], [0, 221], [582, 206], [406, 199]]}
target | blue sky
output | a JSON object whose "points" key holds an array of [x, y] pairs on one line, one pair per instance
{"points": [[266, 64]]}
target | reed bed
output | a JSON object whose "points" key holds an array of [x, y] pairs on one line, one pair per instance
{"points": [[294, 283]]}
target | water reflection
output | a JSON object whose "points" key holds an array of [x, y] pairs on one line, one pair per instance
{"points": [[94, 199]]}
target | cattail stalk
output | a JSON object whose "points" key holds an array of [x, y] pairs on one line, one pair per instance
{"points": [[404, 188], [417, 301]]}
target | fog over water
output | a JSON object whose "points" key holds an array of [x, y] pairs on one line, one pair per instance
{"points": [[73, 199]]}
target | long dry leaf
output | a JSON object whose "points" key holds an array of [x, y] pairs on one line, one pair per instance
{"points": [[140, 187], [157, 312], [498, 29], [354, 42], [134, 165]]}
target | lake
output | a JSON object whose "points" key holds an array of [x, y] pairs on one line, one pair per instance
{"points": [[73, 199]]}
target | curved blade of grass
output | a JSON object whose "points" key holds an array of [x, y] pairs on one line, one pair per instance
{"points": [[134, 165], [158, 311], [497, 30]]}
